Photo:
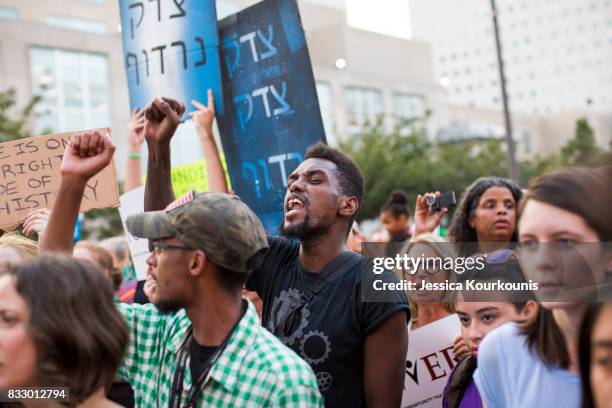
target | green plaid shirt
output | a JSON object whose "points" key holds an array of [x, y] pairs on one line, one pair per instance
{"points": [[254, 370]]}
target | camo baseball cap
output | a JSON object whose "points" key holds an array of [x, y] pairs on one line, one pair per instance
{"points": [[221, 225]]}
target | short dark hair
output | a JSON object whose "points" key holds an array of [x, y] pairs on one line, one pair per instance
{"points": [[231, 280], [350, 177], [79, 334], [460, 229]]}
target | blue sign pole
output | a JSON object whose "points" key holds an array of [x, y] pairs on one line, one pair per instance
{"points": [[272, 112], [171, 48]]}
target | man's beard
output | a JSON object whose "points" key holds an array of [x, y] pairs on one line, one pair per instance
{"points": [[168, 306], [297, 231], [304, 231]]}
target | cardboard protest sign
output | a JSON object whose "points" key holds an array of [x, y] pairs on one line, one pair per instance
{"points": [[132, 202], [30, 178], [429, 362], [171, 48], [271, 108]]}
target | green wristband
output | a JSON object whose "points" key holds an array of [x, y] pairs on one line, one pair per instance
{"points": [[134, 156]]}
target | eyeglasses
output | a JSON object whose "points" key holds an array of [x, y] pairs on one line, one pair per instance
{"points": [[158, 247], [496, 257]]}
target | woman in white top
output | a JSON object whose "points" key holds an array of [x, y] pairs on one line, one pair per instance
{"points": [[564, 225]]}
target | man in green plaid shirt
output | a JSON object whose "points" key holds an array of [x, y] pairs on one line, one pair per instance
{"points": [[200, 344], [252, 368]]}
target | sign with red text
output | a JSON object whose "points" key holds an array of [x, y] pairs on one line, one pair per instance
{"points": [[429, 362], [30, 178]]}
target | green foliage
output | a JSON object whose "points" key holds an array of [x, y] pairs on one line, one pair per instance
{"points": [[410, 162], [581, 150], [101, 224], [13, 128]]}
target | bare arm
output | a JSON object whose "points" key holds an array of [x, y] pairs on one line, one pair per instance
{"points": [[163, 116], [135, 141], [385, 361], [425, 219], [203, 120], [85, 156]]}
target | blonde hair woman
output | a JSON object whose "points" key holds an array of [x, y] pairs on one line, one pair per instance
{"points": [[14, 248], [428, 306]]}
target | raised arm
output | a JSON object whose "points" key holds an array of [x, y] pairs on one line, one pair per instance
{"points": [[163, 116], [85, 156], [425, 219], [135, 141], [203, 119]]}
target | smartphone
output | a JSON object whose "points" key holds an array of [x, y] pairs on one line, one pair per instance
{"points": [[446, 200]]}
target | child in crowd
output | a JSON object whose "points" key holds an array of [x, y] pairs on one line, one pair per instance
{"points": [[395, 217], [480, 316]]}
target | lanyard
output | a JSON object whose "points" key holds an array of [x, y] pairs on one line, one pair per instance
{"points": [[179, 374]]}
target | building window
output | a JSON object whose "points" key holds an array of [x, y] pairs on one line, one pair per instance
{"points": [[77, 24], [9, 13], [364, 106], [327, 112], [74, 88], [408, 106], [527, 142]]}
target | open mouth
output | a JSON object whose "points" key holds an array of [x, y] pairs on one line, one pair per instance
{"points": [[294, 205]]}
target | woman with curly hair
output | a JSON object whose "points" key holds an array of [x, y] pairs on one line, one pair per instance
{"points": [[485, 214]]}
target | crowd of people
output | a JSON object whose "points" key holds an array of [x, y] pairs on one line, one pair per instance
{"points": [[231, 316]]}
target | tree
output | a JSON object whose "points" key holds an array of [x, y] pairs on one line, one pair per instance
{"points": [[582, 149], [410, 162], [14, 128]]}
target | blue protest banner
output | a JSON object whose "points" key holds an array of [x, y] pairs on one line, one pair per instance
{"points": [[171, 48], [271, 108]]}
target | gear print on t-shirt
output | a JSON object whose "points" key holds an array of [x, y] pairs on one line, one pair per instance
{"points": [[314, 346]]}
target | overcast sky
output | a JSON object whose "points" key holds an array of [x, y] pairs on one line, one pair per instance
{"points": [[391, 17]]}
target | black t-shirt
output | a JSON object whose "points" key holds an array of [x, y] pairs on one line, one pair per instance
{"points": [[331, 332], [199, 358], [120, 393]]}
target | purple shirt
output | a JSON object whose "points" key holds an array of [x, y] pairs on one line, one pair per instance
{"points": [[471, 396]]}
